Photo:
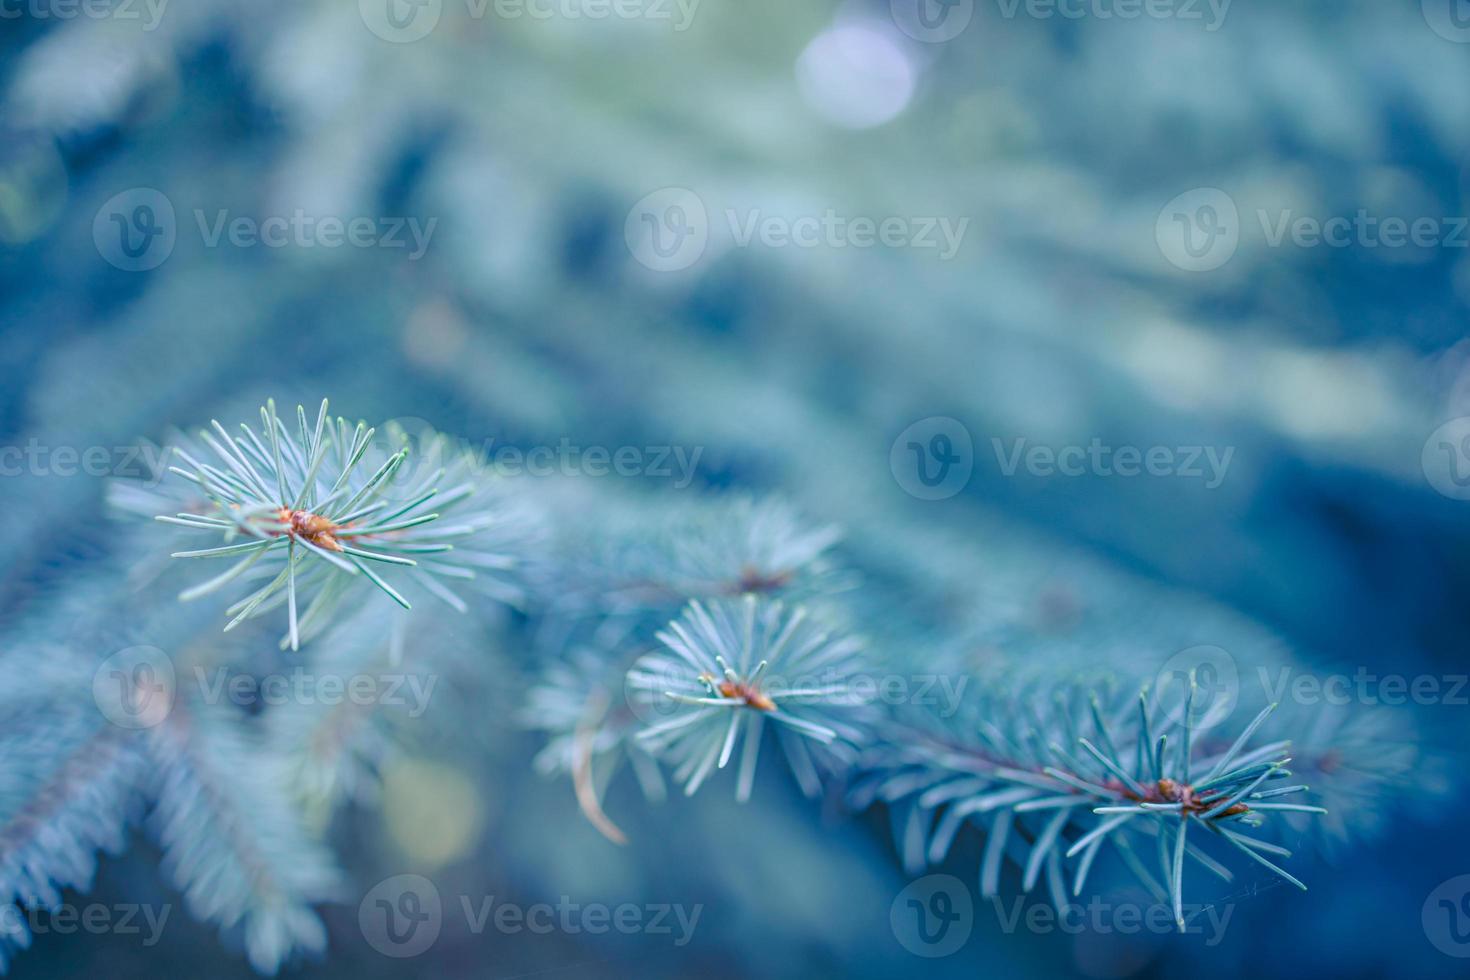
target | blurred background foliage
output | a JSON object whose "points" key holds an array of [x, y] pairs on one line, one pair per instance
{"points": [[528, 321]]}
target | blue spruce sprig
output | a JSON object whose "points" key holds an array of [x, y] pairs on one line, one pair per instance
{"points": [[314, 513], [1077, 768], [729, 666]]}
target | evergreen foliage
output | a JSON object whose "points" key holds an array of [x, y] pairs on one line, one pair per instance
{"points": [[667, 639]]}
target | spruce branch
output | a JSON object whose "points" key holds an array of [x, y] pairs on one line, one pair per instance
{"points": [[739, 545], [626, 565], [233, 842], [306, 517], [731, 665], [67, 792], [1074, 780], [648, 556]]}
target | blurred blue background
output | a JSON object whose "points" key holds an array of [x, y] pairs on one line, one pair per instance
{"points": [[551, 208]]}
